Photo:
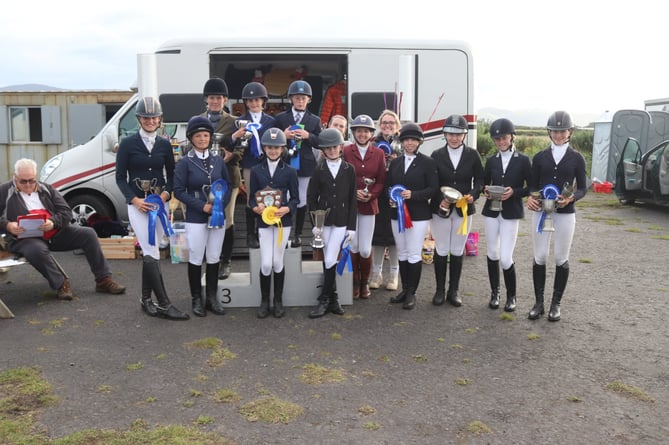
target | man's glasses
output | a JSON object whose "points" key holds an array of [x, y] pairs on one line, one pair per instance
{"points": [[27, 181]]}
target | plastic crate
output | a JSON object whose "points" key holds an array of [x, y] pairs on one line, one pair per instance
{"points": [[602, 187]]}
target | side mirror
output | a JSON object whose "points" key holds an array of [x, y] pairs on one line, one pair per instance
{"points": [[110, 139]]}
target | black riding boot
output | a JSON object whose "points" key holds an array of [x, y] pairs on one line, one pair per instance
{"points": [[454, 281], [510, 283], [324, 298], [440, 266], [265, 284], [195, 283], [414, 273], [226, 253], [165, 308], [211, 282], [493, 277], [278, 293], [251, 230], [404, 277], [299, 225], [539, 280], [561, 276], [148, 306], [333, 301]]}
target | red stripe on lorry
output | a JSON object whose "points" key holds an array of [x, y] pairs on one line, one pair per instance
{"points": [[69, 179]]}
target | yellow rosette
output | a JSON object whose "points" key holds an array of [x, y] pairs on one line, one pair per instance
{"points": [[270, 218], [462, 204]]}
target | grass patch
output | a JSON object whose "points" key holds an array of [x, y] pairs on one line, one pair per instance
{"points": [[585, 260], [505, 316], [463, 382], [419, 358], [318, 375], [659, 228], [633, 230], [574, 399], [367, 410], [226, 395], [219, 357], [533, 336], [205, 343], [106, 389], [271, 410], [336, 336], [371, 426], [662, 237], [477, 427], [630, 391], [134, 366]]}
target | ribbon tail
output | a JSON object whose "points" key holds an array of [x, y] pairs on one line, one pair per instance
{"points": [[280, 237], [540, 226], [462, 230], [345, 261], [152, 228], [407, 217]]}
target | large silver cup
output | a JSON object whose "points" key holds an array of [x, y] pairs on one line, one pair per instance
{"points": [[450, 195], [367, 182], [495, 192], [548, 206], [318, 217], [215, 149], [241, 123]]}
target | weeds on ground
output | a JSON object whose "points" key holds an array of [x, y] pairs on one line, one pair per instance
{"points": [[318, 375], [630, 391], [271, 410]]}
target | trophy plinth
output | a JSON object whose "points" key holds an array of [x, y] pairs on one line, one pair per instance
{"points": [[495, 192]]}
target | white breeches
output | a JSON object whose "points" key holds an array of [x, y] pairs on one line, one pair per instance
{"points": [[140, 225], [332, 238], [364, 230], [271, 252], [410, 242], [445, 234], [203, 240], [564, 224], [501, 235]]}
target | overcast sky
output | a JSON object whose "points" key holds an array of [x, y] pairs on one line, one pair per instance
{"points": [[573, 55]]}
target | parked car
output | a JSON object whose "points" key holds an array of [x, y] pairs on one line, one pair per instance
{"points": [[643, 177]]}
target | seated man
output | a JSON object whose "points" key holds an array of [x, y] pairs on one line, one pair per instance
{"points": [[24, 195]]}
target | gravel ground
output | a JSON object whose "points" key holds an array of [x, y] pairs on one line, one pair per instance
{"points": [[433, 375]]}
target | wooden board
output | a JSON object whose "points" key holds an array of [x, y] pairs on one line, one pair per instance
{"points": [[118, 248]]}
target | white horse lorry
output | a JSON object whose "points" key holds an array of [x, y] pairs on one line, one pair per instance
{"points": [[424, 81]]}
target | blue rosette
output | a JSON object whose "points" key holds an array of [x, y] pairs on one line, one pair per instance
{"points": [[294, 150], [403, 217], [218, 190], [387, 149], [345, 259], [549, 191], [256, 148], [157, 212]]}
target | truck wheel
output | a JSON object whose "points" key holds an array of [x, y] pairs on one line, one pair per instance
{"points": [[83, 206]]}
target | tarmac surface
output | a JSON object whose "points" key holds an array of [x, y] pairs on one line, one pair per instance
{"points": [[434, 375]]}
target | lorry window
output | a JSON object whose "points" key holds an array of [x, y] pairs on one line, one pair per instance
{"points": [[128, 125], [372, 104]]}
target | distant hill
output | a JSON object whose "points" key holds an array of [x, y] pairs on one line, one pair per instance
{"points": [[30, 87], [531, 117]]}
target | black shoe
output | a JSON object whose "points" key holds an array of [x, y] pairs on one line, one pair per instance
{"points": [[439, 298], [409, 301], [319, 310], [510, 305], [278, 309], [494, 299], [263, 310], [554, 312], [198, 307], [296, 241], [399, 298], [149, 307], [172, 313], [536, 312], [336, 308], [454, 299], [225, 270]]}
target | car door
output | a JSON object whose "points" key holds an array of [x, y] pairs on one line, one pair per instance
{"points": [[629, 168]]}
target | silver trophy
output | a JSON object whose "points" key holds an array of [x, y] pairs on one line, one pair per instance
{"points": [[208, 195], [368, 182], [450, 195], [567, 190], [215, 149], [318, 217], [548, 206], [495, 192], [247, 135], [148, 186]]}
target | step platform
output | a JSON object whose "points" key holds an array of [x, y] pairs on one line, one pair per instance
{"points": [[301, 285]]}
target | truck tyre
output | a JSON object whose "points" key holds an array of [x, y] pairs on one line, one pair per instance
{"points": [[83, 206]]}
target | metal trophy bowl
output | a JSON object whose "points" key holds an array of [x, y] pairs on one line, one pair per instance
{"points": [[567, 190], [548, 206], [495, 192], [241, 123], [146, 185], [319, 221], [451, 195], [368, 182], [206, 192], [215, 149]]}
